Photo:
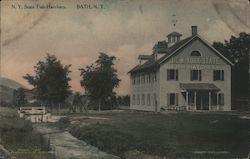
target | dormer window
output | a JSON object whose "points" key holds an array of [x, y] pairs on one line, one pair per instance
{"points": [[195, 53]]}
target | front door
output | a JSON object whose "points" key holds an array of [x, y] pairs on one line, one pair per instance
{"points": [[202, 102]]}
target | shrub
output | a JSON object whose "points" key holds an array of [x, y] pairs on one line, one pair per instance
{"points": [[63, 122]]}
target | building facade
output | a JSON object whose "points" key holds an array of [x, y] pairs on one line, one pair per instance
{"points": [[182, 74]]}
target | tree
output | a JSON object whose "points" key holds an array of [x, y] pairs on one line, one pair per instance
{"points": [[19, 97], [51, 81], [237, 50], [100, 79], [77, 101]]}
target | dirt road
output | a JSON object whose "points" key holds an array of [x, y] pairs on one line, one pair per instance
{"points": [[68, 147]]}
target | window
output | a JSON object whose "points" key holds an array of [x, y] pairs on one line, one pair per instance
{"points": [[195, 53], [138, 79], [154, 99], [138, 99], [213, 98], [195, 75], [133, 100], [143, 78], [148, 99], [134, 80], [172, 74], [148, 78], [221, 99], [143, 99], [154, 77], [172, 99], [218, 75]]}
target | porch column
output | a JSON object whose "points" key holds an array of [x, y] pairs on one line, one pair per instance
{"points": [[187, 100], [209, 100], [217, 101], [195, 94]]}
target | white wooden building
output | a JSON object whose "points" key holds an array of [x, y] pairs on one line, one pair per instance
{"points": [[182, 74]]}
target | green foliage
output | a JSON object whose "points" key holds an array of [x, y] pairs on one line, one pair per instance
{"points": [[237, 49], [51, 80], [100, 79], [105, 138], [173, 135], [19, 97], [34, 155], [18, 134], [63, 122], [123, 100]]}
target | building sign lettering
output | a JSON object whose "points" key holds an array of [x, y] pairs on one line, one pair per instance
{"points": [[194, 66], [195, 60]]}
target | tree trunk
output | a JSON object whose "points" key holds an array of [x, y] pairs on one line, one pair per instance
{"points": [[59, 108], [99, 106], [249, 79]]}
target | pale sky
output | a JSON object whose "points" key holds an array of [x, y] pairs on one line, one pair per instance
{"points": [[123, 28]]}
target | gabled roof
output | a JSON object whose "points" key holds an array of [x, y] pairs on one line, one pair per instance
{"points": [[154, 63], [174, 33], [172, 51]]}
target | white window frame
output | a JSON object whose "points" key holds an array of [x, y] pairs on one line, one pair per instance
{"points": [[138, 99], [221, 99], [149, 99], [143, 100], [175, 99], [175, 73], [199, 75], [220, 76]]}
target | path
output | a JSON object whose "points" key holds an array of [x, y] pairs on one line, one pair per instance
{"points": [[68, 147]]}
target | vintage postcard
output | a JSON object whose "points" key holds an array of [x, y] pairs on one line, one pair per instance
{"points": [[124, 79]]}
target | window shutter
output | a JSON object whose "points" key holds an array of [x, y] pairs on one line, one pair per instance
{"points": [[199, 75], [214, 75], [168, 74], [222, 99], [168, 99], [176, 75], [222, 75], [192, 75], [176, 99]]}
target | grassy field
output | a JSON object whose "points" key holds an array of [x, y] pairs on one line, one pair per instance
{"points": [[18, 137], [180, 135]]}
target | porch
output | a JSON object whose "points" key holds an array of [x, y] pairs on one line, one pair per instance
{"points": [[202, 96]]}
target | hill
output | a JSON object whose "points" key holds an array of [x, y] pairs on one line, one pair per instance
{"points": [[10, 83], [6, 95], [7, 86]]}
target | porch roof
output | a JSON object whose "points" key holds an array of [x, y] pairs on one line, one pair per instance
{"points": [[198, 87]]}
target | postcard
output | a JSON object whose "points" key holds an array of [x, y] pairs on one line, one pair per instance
{"points": [[131, 79]]}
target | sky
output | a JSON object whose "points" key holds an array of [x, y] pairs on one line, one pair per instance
{"points": [[123, 28]]}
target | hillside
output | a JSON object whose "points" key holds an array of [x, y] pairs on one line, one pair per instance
{"points": [[10, 83], [6, 94], [7, 87]]}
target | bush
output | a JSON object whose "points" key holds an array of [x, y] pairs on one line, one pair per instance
{"points": [[109, 140], [17, 133], [63, 122]]}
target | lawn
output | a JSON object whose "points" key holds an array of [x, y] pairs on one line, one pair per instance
{"points": [[179, 135], [18, 136]]}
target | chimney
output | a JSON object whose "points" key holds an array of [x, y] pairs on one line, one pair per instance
{"points": [[194, 30]]}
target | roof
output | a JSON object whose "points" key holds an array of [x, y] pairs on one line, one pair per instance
{"points": [[174, 33], [155, 63], [146, 57], [169, 52], [160, 47], [199, 87], [149, 64]]}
